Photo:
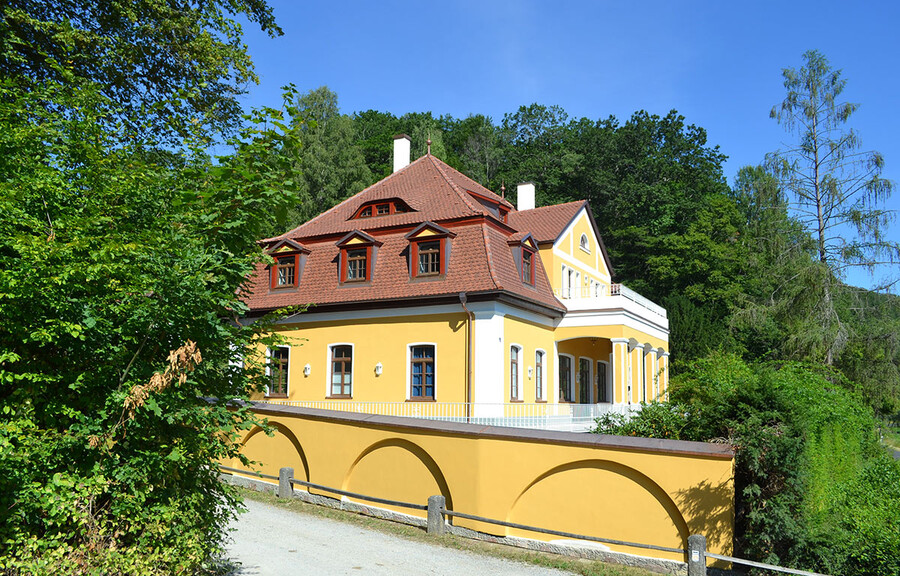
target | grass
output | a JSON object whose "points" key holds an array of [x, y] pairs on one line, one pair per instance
{"points": [[575, 565]]}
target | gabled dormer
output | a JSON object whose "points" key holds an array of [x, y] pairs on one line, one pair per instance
{"points": [[356, 261], [290, 259], [524, 250], [429, 250], [385, 207]]}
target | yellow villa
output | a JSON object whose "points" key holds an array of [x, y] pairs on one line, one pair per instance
{"points": [[434, 297]]}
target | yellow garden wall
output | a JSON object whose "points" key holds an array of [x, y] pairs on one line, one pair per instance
{"points": [[641, 490]]}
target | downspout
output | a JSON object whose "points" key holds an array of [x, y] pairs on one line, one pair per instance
{"points": [[469, 342]]}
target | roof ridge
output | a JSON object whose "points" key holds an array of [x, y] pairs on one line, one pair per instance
{"points": [[453, 184], [349, 198], [485, 189], [490, 258], [551, 206]]}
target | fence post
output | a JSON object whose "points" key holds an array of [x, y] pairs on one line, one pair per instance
{"points": [[696, 555], [285, 488], [435, 517]]}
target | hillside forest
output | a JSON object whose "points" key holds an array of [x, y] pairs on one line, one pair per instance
{"points": [[125, 244]]}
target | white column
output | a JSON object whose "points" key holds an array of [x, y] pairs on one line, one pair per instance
{"points": [[619, 370], [487, 373]]}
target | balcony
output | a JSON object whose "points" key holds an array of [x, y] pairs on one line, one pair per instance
{"points": [[538, 416], [613, 297]]}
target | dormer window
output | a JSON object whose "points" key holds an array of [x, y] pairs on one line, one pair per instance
{"points": [[429, 258], [525, 254], [289, 259], [357, 265], [429, 250], [357, 257], [285, 271], [381, 208], [527, 266]]}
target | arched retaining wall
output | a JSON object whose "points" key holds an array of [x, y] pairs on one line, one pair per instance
{"points": [[634, 489]]}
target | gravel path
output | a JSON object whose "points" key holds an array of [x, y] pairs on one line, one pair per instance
{"points": [[270, 541]]}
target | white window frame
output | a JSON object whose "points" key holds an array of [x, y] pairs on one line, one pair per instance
{"points": [[584, 243], [543, 371], [329, 351], [590, 386], [287, 385], [571, 383], [607, 387], [434, 363], [519, 380]]}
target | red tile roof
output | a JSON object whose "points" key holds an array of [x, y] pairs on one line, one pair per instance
{"points": [[546, 223], [481, 259]]}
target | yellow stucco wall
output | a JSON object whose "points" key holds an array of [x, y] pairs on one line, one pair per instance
{"points": [[385, 340], [648, 491], [590, 264], [531, 337]]}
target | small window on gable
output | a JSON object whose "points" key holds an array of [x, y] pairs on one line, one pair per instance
{"points": [[287, 268], [429, 250], [357, 257], [527, 266], [585, 243]]}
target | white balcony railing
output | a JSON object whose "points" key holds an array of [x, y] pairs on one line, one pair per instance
{"points": [[604, 296], [540, 416]]}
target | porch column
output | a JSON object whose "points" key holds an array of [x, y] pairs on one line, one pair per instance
{"points": [[619, 370], [662, 359]]}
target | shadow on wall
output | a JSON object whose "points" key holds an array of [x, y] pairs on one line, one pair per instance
{"points": [[397, 469], [711, 506], [283, 445], [611, 511]]}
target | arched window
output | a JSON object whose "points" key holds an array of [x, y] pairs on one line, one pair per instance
{"points": [[585, 243]]}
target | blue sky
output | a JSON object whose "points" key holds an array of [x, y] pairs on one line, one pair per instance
{"points": [[718, 63]]}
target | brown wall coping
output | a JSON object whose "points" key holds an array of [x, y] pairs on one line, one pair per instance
{"points": [[631, 443]]}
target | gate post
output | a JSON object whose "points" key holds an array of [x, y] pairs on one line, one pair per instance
{"points": [[696, 555], [285, 488], [435, 517]]}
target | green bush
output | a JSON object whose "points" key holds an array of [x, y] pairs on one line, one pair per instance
{"points": [[813, 488]]}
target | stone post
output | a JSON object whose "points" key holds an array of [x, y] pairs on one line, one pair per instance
{"points": [[696, 555], [285, 488], [435, 517]]}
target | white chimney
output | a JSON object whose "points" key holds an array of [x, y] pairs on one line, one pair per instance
{"points": [[401, 151], [525, 196]]}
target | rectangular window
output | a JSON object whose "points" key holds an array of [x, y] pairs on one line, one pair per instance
{"points": [[284, 271], [429, 256], [602, 393], [278, 371], [341, 371], [565, 379], [421, 372], [584, 380], [384, 209], [527, 266], [539, 375], [357, 269], [514, 372]]}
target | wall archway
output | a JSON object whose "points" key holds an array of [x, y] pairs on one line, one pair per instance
{"points": [[397, 469], [600, 498], [282, 449]]}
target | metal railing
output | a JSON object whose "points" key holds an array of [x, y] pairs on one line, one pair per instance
{"points": [[601, 292], [537, 415], [696, 554]]}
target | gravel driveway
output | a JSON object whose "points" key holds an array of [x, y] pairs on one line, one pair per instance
{"points": [[270, 541]]}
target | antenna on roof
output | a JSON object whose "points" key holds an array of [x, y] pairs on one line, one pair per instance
{"points": [[503, 190], [429, 146]]}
